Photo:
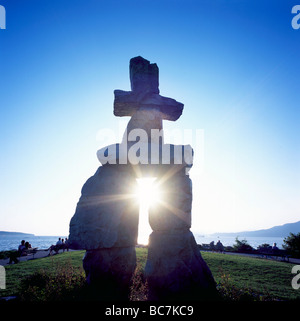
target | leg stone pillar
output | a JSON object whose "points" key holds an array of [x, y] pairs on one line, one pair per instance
{"points": [[106, 225], [175, 269]]}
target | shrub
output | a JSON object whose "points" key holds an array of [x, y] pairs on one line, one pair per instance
{"points": [[229, 248], [242, 246], [292, 245], [64, 284], [6, 254], [264, 247]]}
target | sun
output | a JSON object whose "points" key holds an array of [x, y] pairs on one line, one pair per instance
{"points": [[148, 195], [147, 192]]}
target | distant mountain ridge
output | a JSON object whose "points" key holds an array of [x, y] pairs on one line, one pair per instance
{"points": [[275, 231], [4, 233]]}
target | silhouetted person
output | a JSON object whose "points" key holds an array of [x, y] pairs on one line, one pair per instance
{"points": [[67, 244], [14, 256], [59, 244], [219, 246], [275, 249]]}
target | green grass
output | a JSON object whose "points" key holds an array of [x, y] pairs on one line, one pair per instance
{"points": [[141, 256], [16, 272], [266, 277], [270, 279]]}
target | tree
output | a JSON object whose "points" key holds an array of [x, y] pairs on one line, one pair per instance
{"points": [[264, 247], [242, 246], [292, 245]]}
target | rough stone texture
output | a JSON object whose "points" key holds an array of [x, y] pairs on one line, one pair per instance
{"points": [[175, 269], [126, 103], [144, 119], [107, 214], [143, 76], [174, 210], [145, 93], [109, 272]]}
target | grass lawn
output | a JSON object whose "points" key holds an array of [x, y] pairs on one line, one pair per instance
{"points": [[266, 277], [16, 272]]}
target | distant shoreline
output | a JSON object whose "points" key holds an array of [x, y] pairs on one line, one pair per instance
{"points": [[5, 233]]}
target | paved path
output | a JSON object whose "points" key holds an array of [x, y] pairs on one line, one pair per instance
{"points": [[39, 254]]}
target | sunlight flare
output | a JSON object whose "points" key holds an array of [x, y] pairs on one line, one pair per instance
{"points": [[147, 192], [148, 195]]}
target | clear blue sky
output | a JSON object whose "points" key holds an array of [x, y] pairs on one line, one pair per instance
{"points": [[234, 64]]}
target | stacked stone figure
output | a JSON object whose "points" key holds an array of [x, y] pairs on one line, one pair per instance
{"points": [[105, 223]]}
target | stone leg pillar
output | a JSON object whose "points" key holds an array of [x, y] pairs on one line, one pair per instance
{"points": [[175, 269], [105, 224], [109, 272]]}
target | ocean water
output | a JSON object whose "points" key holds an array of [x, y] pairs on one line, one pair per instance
{"points": [[230, 240], [44, 242]]}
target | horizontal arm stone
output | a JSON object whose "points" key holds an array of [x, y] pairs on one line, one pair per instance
{"points": [[126, 103]]}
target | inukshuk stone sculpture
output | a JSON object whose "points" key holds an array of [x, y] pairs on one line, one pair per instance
{"points": [[106, 219]]}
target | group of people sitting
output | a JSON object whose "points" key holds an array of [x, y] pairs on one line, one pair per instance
{"points": [[25, 247], [61, 244], [22, 249]]}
